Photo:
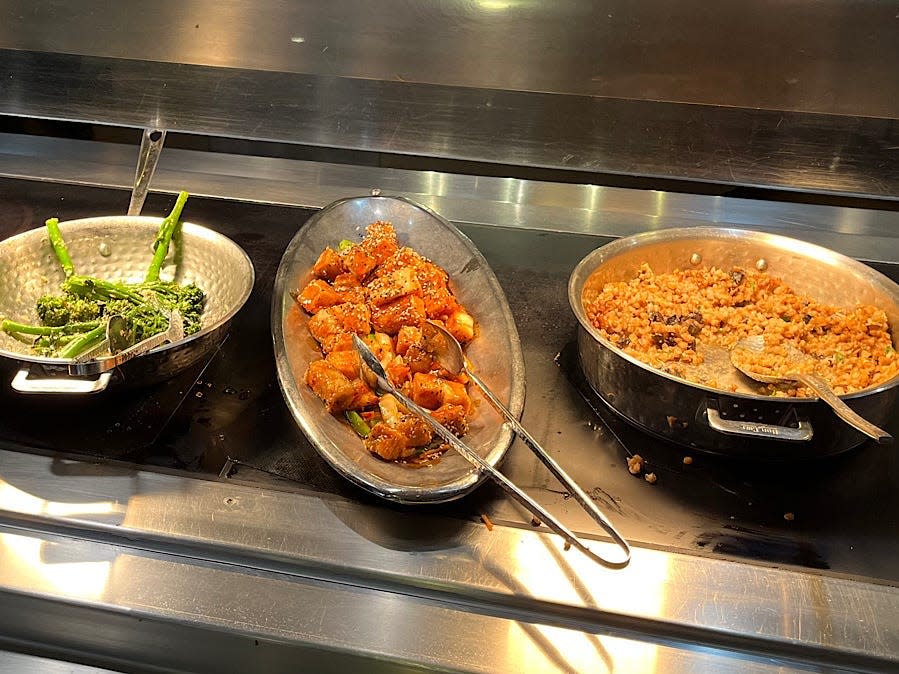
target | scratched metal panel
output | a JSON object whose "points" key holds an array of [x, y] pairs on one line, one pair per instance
{"points": [[831, 56], [517, 573], [575, 133]]}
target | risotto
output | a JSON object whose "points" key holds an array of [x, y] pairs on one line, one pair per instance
{"points": [[665, 320]]}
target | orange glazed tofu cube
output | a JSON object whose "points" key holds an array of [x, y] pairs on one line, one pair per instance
{"points": [[317, 295], [362, 397], [461, 326], [335, 325], [418, 359], [388, 443], [402, 258], [455, 393], [391, 286], [427, 390], [439, 303], [397, 371], [407, 310], [329, 265], [380, 241], [353, 317], [349, 289], [348, 362], [453, 417], [357, 261], [406, 337], [329, 384], [346, 280]]}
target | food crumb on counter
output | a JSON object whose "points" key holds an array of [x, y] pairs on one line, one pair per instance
{"points": [[487, 522], [535, 522], [789, 517], [651, 478], [674, 422], [688, 460], [567, 546], [635, 464]]}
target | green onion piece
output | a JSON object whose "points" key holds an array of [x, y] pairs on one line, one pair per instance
{"points": [[344, 244], [358, 424]]}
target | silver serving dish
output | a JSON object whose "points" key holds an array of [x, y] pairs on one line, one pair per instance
{"points": [[118, 248], [755, 428], [496, 352]]}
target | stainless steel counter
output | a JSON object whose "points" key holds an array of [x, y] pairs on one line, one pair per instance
{"points": [[194, 528], [799, 97], [110, 552]]}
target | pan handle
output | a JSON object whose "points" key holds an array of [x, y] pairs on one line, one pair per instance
{"points": [[43, 385], [758, 430]]}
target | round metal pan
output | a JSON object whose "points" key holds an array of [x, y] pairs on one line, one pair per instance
{"points": [[496, 352], [741, 423], [118, 248]]}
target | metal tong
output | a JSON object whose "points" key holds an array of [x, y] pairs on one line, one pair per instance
{"points": [[373, 373], [93, 365], [151, 144]]}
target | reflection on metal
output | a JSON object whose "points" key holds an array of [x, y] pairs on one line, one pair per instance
{"points": [[539, 132], [26, 557], [652, 50], [20, 663], [661, 598], [507, 202], [227, 618]]}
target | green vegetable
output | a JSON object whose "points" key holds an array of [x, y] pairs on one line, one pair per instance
{"points": [[70, 328], [344, 244], [76, 320], [164, 237], [59, 246], [358, 423], [97, 289], [83, 342], [60, 309]]}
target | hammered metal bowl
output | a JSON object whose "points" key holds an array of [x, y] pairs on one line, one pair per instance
{"points": [[120, 248]]}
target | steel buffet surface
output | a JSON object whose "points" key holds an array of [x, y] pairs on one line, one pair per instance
{"points": [[231, 416]]}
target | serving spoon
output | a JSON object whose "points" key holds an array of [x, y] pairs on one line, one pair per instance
{"points": [[374, 375], [744, 352]]}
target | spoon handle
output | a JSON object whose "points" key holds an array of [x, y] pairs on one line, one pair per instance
{"points": [[842, 410], [573, 487]]}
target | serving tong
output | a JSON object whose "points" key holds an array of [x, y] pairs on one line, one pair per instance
{"points": [[119, 343], [453, 360]]}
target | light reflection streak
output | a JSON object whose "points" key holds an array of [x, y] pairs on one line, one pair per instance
{"points": [[23, 556], [572, 578]]}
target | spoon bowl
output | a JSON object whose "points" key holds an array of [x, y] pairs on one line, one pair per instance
{"points": [[797, 368]]}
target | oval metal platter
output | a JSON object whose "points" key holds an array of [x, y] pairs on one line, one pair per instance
{"points": [[495, 352]]}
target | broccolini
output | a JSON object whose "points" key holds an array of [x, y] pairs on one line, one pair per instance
{"points": [[75, 321]]}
